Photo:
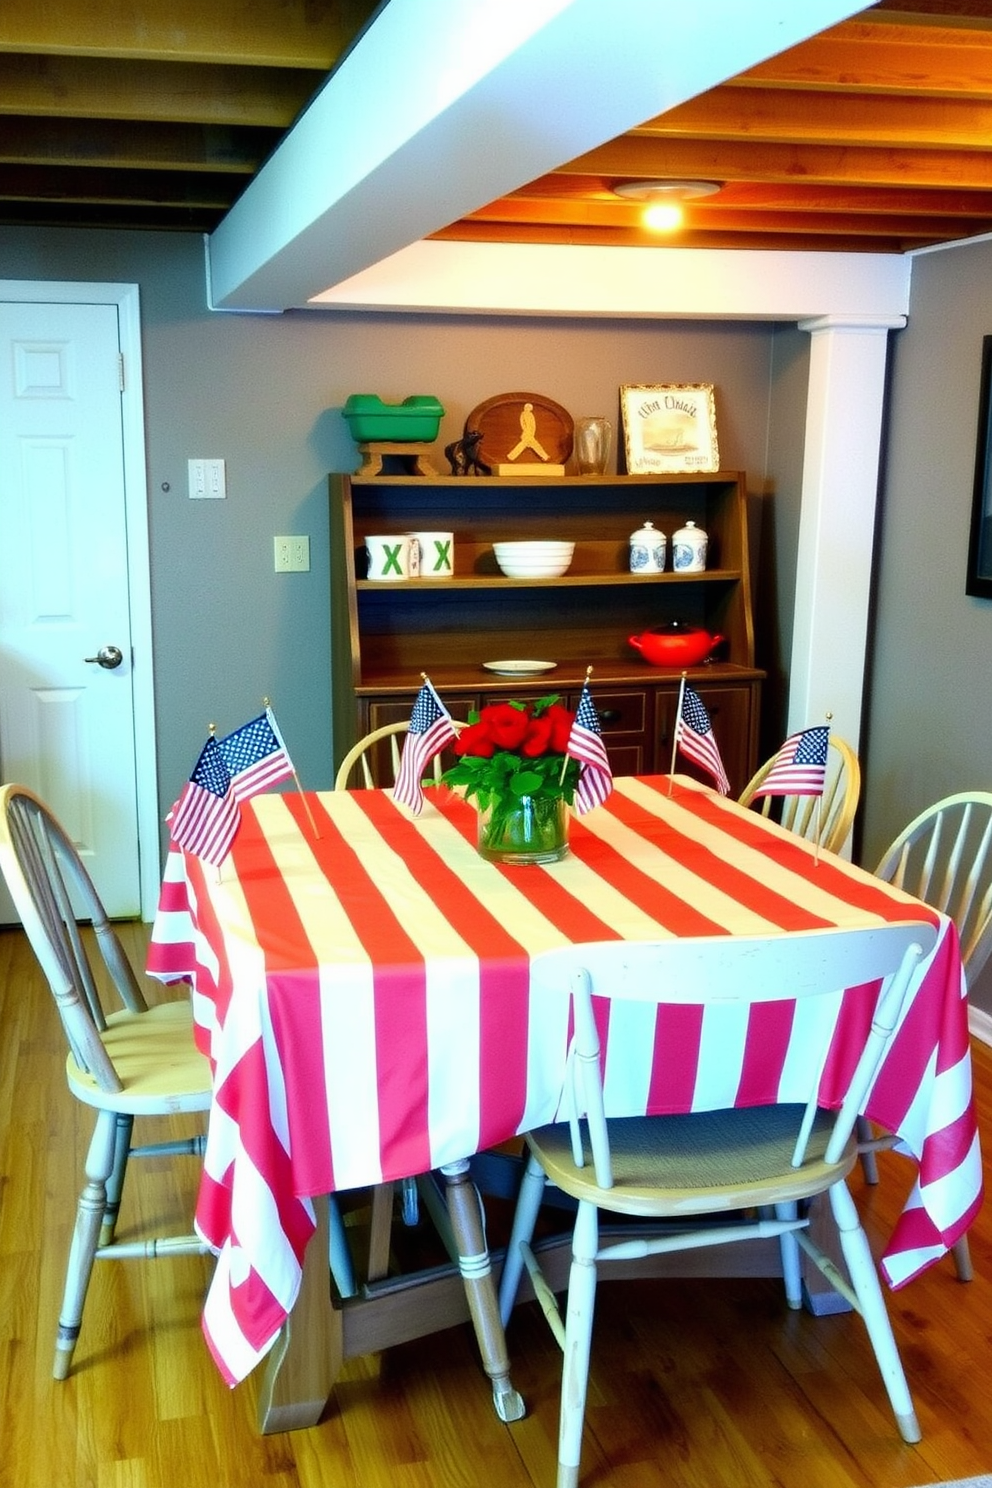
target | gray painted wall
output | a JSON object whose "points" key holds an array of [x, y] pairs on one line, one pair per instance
{"points": [[930, 720], [265, 393]]}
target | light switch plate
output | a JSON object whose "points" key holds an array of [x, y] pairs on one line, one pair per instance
{"points": [[207, 480]]}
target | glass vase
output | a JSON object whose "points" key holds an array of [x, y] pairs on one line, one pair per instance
{"points": [[524, 829], [593, 438]]}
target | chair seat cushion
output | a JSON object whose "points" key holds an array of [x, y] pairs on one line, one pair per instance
{"points": [[703, 1162]]}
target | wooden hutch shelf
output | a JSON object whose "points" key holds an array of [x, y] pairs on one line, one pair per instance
{"points": [[384, 635]]}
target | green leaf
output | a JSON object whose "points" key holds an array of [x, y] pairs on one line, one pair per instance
{"points": [[526, 783]]}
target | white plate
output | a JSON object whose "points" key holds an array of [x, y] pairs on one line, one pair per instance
{"points": [[519, 668]]}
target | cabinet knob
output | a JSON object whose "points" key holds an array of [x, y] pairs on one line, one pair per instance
{"points": [[608, 715]]}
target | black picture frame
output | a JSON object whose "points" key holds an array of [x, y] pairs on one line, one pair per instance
{"points": [[979, 581]]}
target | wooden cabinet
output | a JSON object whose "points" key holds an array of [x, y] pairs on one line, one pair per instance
{"points": [[384, 635]]}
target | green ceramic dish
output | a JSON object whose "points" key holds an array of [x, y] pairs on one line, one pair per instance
{"points": [[370, 420]]}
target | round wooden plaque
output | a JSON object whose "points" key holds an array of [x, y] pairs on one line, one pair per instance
{"points": [[521, 429]]}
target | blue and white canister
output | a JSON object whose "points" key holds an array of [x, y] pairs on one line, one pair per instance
{"points": [[647, 550], [689, 549]]}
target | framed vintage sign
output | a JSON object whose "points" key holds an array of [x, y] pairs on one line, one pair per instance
{"points": [[669, 428], [979, 581]]}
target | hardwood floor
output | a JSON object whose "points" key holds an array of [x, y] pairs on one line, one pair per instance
{"points": [[694, 1384]]}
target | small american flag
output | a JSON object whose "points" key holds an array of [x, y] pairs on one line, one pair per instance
{"points": [[206, 817], [800, 767], [430, 730], [585, 743], [694, 736], [255, 756]]}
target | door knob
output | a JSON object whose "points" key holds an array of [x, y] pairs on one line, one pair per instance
{"points": [[107, 656]]}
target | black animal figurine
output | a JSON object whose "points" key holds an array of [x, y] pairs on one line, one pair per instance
{"points": [[463, 454]]}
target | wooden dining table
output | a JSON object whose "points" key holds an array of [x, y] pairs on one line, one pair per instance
{"points": [[360, 981]]}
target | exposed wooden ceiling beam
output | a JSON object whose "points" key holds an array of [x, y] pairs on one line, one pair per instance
{"points": [[148, 146], [778, 115], [709, 217], [93, 214], [264, 33], [727, 160], [173, 92], [875, 56], [922, 12], [145, 188], [481, 232], [791, 195]]}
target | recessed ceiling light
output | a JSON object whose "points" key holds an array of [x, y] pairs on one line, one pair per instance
{"points": [[665, 190], [663, 216]]}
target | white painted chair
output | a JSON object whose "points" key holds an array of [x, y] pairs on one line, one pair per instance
{"points": [[376, 758], [944, 856], [367, 765], [133, 1061], [698, 1167], [828, 819]]}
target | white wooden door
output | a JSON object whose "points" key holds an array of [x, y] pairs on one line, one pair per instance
{"points": [[67, 722]]}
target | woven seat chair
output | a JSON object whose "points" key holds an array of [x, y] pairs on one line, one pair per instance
{"points": [[827, 819], [767, 1161], [944, 856], [127, 1062], [375, 759]]}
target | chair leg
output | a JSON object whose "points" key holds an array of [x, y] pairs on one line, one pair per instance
{"points": [[791, 1270], [89, 1217], [578, 1343], [961, 1251], [532, 1187], [869, 1166], [115, 1183], [342, 1266], [871, 1303], [411, 1202]]}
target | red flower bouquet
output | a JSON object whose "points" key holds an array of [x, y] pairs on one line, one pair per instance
{"points": [[512, 761]]}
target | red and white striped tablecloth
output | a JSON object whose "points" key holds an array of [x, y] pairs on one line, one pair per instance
{"points": [[364, 996]]}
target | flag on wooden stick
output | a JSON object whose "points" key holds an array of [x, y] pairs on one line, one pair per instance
{"points": [[205, 819], [800, 767], [256, 757], [694, 736], [585, 744], [431, 728]]}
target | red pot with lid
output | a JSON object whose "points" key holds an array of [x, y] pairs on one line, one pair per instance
{"points": [[675, 644]]}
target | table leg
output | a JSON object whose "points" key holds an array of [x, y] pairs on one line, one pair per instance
{"points": [[465, 1209], [306, 1358]]}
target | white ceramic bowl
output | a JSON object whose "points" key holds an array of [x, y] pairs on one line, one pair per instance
{"points": [[534, 560]]}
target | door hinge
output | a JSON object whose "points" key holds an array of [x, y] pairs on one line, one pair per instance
{"points": [[120, 369]]}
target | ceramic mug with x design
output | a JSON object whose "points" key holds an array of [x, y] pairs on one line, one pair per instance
{"points": [[392, 557], [436, 552]]}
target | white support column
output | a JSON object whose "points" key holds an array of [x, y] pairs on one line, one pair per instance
{"points": [[837, 524]]}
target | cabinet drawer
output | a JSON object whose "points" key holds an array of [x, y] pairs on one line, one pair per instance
{"points": [[618, 712], [625, 723], [374, 714], [626, 759]]}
